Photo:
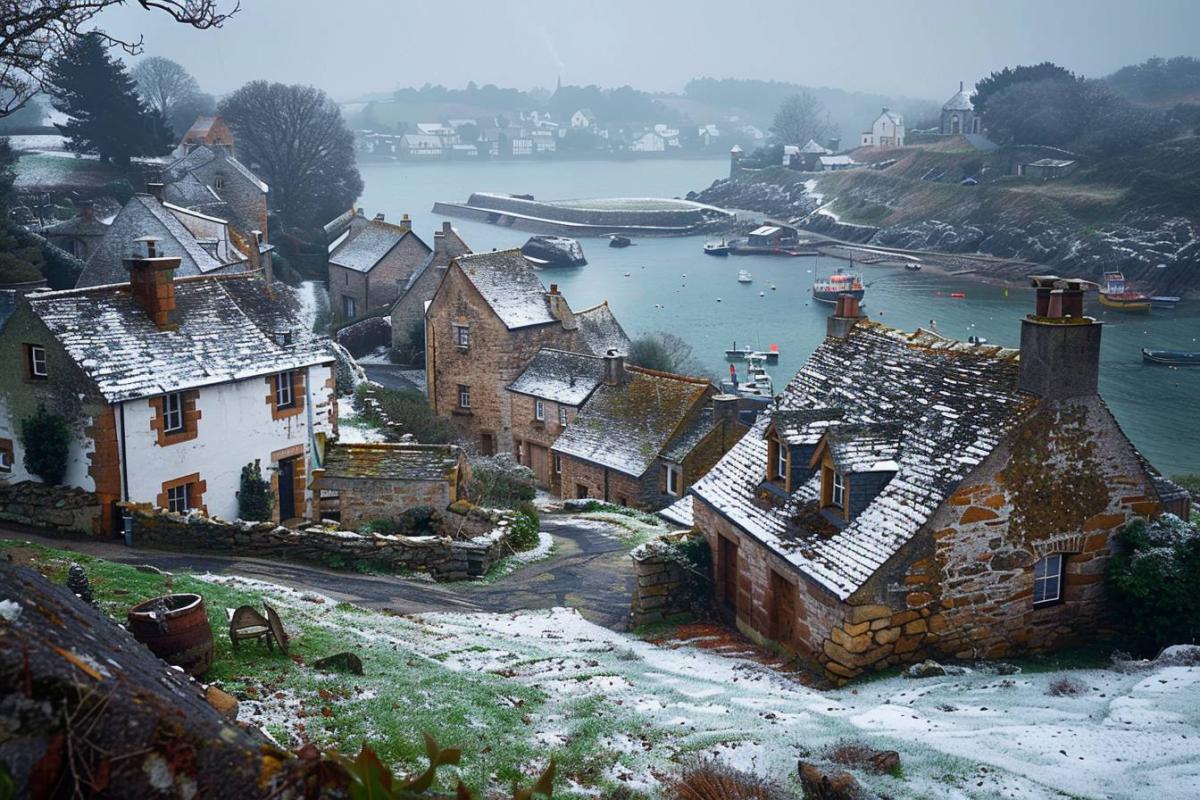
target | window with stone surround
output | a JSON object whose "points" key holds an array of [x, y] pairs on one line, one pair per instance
{"points": [[6, 456], [837, 493], [1047, 579], [539, 410], [177, 499], [35, 362], [464, 396], [557, 464], [462, 336], [173, 413], [673, 481], [176, 418], [286, 395], [183, 494], [562, 416]]}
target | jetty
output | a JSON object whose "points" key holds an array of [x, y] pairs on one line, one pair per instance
{"points": [[629, 216]]}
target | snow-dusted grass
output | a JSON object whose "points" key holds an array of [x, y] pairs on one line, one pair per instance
{"points": [[634, 528], [353, 428], [517, 689], [509, 564]]}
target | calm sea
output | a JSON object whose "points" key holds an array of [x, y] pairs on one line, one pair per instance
{"points": [[670, 285]]}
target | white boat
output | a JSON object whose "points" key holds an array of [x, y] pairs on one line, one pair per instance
{"points": [[744, 276], [757, 384]]}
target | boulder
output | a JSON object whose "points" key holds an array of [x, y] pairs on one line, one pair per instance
{"points": [[340, 662], [926, 669], [554, 251]]}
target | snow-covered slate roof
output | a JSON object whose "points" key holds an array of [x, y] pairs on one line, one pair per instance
{"points": [[368, 247], [953, 402], [961, 101], [199, 156], [391, 461], [561, 377], [76, 226], [190, 192], [229, 328], [801, 426], [601, 331], [625, 426], [509, 285], [812, 147], [866, 447], [142, 216]]}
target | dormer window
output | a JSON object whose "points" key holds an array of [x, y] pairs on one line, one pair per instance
{"points": [[837, 493], [781, 461], [282, 338]]}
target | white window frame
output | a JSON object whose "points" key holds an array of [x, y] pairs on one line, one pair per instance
{"points": [[464, 396], [6, 464], [462, 336], [562, 416], [539, 410], [837, 490], [349, 304], [674, 480], [285, 396], [557, 464], [781, 461], [173, 412], [37, 361], [1047, 579], [179, 498]]}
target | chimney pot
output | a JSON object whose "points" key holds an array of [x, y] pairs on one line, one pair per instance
{"points": [[446, 227], [614, 368], [1060, 347], [554, 288], [380, 217]]}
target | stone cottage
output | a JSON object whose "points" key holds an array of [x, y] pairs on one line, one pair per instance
{"points": [[169, 386], [488, 319], [79, 235], [242, 195], [418, 290], [359, 483], [913, 496], [958, 115], [371, 264], [643, 437], [209, 131], [886, 131], [544, 399]]}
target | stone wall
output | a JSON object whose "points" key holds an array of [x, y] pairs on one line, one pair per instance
{"points": [[445, 559], [605, 484], [661, 589], [63, 508]]}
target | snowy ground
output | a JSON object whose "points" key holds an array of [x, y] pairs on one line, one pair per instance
{"points": [[354, 428], [636, 709]]}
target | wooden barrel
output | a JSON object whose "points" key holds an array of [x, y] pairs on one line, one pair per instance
{"points": [[175, 627]]}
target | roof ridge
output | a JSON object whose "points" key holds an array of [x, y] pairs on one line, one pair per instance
{"points": [[654, 373], [570, 352], [601, 304]]}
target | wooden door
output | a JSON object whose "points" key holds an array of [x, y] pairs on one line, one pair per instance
{"points": [[727, 567], [783, 609], [539, 462], [287, 489]]}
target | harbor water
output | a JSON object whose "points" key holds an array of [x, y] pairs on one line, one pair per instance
{"points": [[670, 285]]}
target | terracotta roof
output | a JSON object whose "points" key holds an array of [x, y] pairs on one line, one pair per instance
{"points": [[392, 462], [952, 403], [601, 331], [509, 285], [626, 426], [561, 377], [230, 328]]}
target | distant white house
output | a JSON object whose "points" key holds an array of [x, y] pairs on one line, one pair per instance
{"points": [[419, 145], [835, 163], [886, 131], [649, 142], [583, 119]]}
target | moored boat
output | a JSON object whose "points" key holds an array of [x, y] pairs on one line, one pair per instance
{"points": [[617, 240], [826, 290], [736, 353], [1172, 358], [744, 276], [912, 267], [720, 248], [1118, 294], [1164, 303]]}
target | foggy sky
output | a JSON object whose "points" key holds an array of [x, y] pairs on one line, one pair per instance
{"points": [[918, 49]]}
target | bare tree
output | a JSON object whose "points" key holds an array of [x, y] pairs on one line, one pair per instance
{"points": [[163, 84], [295, 138], [664, 352], [34, 34], [799, 119]]}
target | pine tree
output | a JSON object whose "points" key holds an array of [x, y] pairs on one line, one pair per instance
{"points": [[106, 116]]}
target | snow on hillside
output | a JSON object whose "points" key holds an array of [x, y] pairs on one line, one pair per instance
{"points": [[977, 735]]}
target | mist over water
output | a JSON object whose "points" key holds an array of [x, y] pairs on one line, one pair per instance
{"points": [[669, 284]]}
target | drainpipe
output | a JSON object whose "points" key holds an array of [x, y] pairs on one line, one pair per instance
{"points": [[606, 484], [122, 465], [314, 456]]}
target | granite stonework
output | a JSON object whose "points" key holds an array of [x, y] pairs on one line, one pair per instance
{"points": [[660, 589], [483, 541]]}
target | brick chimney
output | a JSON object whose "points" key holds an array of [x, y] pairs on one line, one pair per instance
{"points": [[439, 239], [405, 222], [614, 368], [156, 189], [152, 281], [1060, 347], [845, 314]]}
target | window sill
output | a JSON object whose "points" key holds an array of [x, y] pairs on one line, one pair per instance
{"points": [[462, 412], [462, 349]]}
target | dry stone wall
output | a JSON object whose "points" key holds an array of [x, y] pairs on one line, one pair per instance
{"points": [[661, 588], [60, 507]]}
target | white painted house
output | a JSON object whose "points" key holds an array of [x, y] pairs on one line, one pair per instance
{"points": [[886, 131], [649, 142], [169, 386]]}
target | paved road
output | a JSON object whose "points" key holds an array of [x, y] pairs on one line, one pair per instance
{"points": [[590, 570], [391, 376]]}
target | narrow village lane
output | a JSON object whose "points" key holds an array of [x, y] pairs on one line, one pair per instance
{"points": [[590, 570]]}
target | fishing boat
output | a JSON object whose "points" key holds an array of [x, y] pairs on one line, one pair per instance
{"points": [[826, 290], [912, 267], [1119, 295], [617, 240], [1172, 358], [744, 276], [1164, 303], [720, 248], [736, 353], [758, 383]]}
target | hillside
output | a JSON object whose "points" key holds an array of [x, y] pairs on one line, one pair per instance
{"points": [[1138, 212]]}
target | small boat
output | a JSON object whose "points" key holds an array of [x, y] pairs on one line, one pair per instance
{"points": [[1119, 295], [1164, 303], [826, 290], [716, 248], [976, 340], [757, 384], [744, 276], [1172, 358], [617, 240], [773, 354], [959, 295], [912, 267], [736, 353]]}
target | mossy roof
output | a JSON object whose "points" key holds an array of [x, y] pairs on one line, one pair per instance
{"points": [[392, 462]]}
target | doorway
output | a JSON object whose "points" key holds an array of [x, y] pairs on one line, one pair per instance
{"points": [[727, 573], [783, 610], [287, 488]]}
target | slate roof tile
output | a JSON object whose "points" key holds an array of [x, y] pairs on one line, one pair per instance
{"points": [[509, 285], [601, 331], [391, 461], [369, 246], [561, 377]]}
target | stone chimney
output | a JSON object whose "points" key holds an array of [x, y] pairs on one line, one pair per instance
{"points": [[559, 308], [614, 368], [405, 222], [156, 189], [380, 217], [152, 281], [439, 240], [725, 407], [1060, 347], [87, 211], [845, 314]]}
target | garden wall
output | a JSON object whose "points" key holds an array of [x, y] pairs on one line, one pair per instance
{"points": [[445, 559], [663, 586], [63, 508]]}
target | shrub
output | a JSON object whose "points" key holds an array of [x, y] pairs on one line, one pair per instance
{"points": [[1154, 580], [500, 482], [46, 440], [254, 494], [525, 527], [709, 779], [1066, 687], [405, 411]]}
